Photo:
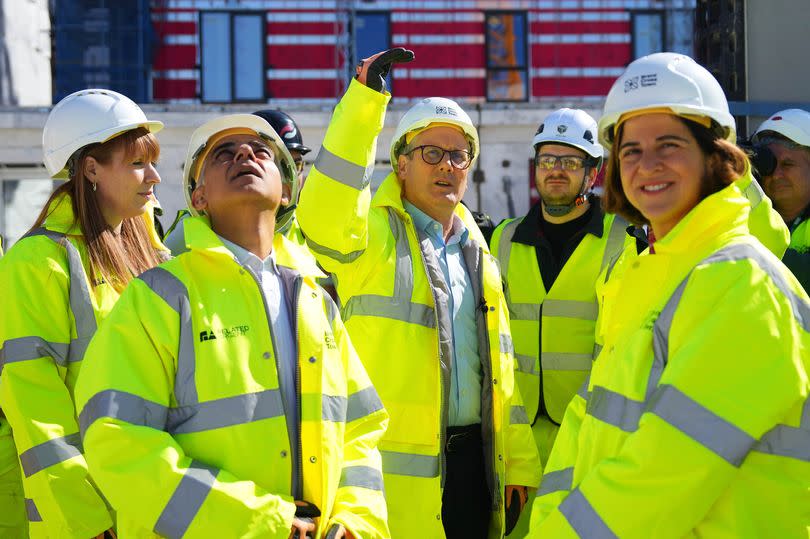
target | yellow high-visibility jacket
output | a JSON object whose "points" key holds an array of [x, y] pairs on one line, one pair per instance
{"points": [[13, 521], [797, 256], [384, 282], [568, 312], [695, 420], [181, 411], [764, 223], [50, 312]]}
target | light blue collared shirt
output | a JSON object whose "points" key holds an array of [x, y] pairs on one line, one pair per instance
{"points": [[281, 331], [465, 382]]}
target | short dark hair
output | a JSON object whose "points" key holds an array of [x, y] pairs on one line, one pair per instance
{"points": [[725, 163]]}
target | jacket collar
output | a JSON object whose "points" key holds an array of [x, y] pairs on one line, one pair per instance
{"points": [[529, 230], [389, 195], [715, 220], [201, 238], [62, 219]]}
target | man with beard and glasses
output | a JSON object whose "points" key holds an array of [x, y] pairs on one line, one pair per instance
{"points": [[550, 260]]}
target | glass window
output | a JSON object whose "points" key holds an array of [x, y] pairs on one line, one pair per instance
{"points": [[372, 34], [648, 33], [507, 78], [680, 31], [232, 56], [248, 49]]}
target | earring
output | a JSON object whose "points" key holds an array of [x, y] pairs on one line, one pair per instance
{"points": [[95, 186]]}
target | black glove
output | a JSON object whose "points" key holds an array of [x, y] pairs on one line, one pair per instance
{"points": [[306, 509], [512, 512], [306, 512], [372, 71]]}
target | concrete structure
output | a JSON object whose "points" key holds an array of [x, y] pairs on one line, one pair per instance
{"points": [[509, 62], [506, 134]]}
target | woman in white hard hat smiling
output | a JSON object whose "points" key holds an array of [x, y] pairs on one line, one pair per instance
{"points": [[695, 419], [59, 281]]}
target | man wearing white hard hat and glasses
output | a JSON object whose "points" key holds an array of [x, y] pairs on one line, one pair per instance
{"points": [[423, 301], [226, 399], [787, 134], [550, 259]]}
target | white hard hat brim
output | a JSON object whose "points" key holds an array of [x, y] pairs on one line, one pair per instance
{"points": [[153, 126], [261, 127]]}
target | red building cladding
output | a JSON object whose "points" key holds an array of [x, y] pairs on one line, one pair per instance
{"points": [[473, 50]]}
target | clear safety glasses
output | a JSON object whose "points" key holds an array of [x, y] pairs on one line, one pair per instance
{"points": [[433, 155], [567, 162]]}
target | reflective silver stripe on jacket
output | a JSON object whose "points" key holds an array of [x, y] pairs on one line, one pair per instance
{"points": [[614, 409], [28, 348], [31, 511], [398, 306], [568, 308], [525, 363], [567, 361], [124, 407], [790, 442], [505, 344], [754, 193], [81, 306], [517, 415], [356, 406], [333, 254], [689, 416], [174, 293], [342, 170], [186, 500], [699, 423], [556, 481], [50, 453], [615, 241], [361, 476], [225, 412], [581, 515], [410, 464]]}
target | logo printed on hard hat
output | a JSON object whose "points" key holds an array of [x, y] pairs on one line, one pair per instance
{"points": [[562, 129], [775, 118], [649, 80], [442, 109], [288, 131], [631, 84]]}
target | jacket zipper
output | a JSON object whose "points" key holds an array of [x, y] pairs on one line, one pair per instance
{"points": [[496, 496], [445, 383], [295, 481], [298, 479]]}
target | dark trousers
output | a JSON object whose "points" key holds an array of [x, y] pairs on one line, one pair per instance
{"points": [[466, 502]]}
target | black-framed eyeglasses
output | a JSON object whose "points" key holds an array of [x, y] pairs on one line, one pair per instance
{"points": [[547, 161], [433, 155], [299, 165]]}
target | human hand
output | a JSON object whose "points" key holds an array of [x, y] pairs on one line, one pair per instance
{"points": [[373, 70], [516, 497]]}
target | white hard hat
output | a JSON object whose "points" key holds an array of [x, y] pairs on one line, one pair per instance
{"points": [[793, 124], [263, 129], [671, 81], [434, 110], [88, 117], [571, 127]]}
